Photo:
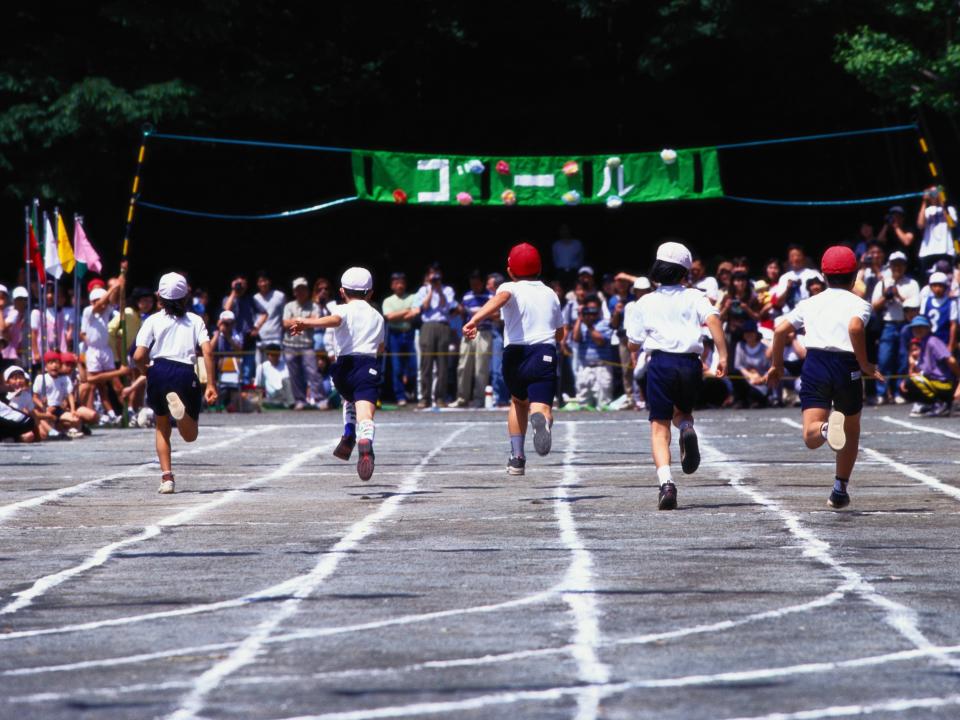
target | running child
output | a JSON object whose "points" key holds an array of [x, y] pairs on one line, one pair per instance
{"points": [[532, 327], [835, 364], [358, 333], [666, 324], [169, 340]]}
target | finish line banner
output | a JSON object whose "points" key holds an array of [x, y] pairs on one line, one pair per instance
{"points": [[690, 174]]}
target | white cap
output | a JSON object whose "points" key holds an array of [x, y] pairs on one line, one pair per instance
{"points": [[939, 278], [676, 253], [912, 302], [173, 286], [14, 369], [97, 293], [585, 270], [357, 278], [641, 283], [897, 256], [3, 289], [300, 282], [20, 292], [227, 316]]}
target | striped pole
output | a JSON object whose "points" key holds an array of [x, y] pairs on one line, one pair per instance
{"points": [[27, 336], [930, 156]]}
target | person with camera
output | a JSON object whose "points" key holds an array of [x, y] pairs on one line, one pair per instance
{"points": [[245, 315], [894, 235], [894, 287], [593, 334], [937, 222], [792, 286], [437, 303], [400, 311]]}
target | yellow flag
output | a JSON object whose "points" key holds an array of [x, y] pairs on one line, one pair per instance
{"points": [[64, 249]]}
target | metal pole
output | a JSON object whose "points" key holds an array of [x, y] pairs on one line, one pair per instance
{"points": [[27, 334], [76, 290]]}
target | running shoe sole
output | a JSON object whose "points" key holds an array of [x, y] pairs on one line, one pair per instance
{"points": [[365, 461], [344, 449], [689, 451], [175, 405], [668, 497], [542, 436], [836, 437]]}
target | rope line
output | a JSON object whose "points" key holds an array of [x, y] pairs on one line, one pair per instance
{"points": [[822, 203], [248, 143], [268, 216], [820, 136]]}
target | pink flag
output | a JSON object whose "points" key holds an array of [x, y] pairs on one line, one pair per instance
{"points": [[83, 251]]}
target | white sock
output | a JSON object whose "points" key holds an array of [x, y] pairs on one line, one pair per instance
{"points": [[349, 418], [823, 430], [664, 475], [366, 430]]}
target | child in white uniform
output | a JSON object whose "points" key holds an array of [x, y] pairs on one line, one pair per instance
{"points": [[358, 333], [666, 324], [169, 339], [532, 326]]}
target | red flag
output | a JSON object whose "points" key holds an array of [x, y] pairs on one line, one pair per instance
{"points": [[36, 258]]}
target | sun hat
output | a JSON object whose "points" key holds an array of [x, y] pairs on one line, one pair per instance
{"points": [[173, 286], [357, 278], [676, 253]]}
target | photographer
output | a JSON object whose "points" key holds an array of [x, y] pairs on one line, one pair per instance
{"points": [[888, 295], [791, 287], [893, 235], [937, 242], [592, 334], [437, 302], [245, 315]]}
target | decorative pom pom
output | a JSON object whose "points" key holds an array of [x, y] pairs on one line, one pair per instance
{"points": [[571, 167], [613, 162], [473, 166], [668, 156], [399, 196], [614, 201], [571, 198], [503, 167], [509, 197], [464, 198]]}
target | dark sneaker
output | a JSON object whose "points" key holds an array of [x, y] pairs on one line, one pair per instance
{"points": [[516, 465], [668, 497], [838, 499], [542, 436], [345, 448], [940, 409], [365, 461], [689, 450]]}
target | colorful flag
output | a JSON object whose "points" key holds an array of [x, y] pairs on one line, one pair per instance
{"points": [[35, 257], [85, 254], [64, 250], [51, 258]]}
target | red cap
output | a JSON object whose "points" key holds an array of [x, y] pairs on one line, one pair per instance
{"points": [[51, 355], [68, 357], [524, 260], [838, 260], [95, 283]]}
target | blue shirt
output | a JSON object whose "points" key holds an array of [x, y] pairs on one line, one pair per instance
{"points": [[244, 313], [474, 301], [435, 313], [589, 352], [940, 311]]}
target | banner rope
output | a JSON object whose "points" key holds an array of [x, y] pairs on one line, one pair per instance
{"points": [[808, 203], [268, 216]]}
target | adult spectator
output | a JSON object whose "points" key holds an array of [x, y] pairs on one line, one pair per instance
{"points": [[701, 281], [400, 310], [888, 296], [865, 237], [620, 296], [740, 302], [244, 312], [500, 392], [894, 235], [592, 333], [269, 304], [437, 302], [724, 274], [937, 242], [298, 351], [638, 359], [567, 252], [792, 287], [933, 373], [473, 367], [325, 301]]}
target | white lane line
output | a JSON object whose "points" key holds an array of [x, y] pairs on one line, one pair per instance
{"points": [[579, 590], [921, 428], [901, 618], [98, 558], [887, 706], [252, 645], [11, 509]]}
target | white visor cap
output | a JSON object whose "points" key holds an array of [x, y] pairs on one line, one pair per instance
{"points": [[676, 253], [357, 278], [173, 286]]}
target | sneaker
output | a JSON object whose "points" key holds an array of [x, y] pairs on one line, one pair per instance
{"points": [[940, 409], [542, 436], [689, 454], [668, 497], [54, 434], [836, 437], [73, 433], [423, 405], [365, 461], [516, 465], [920, 409], [146, 418], [345, 448], [458, 403], [166, 484], [175, 404], [401, 403], [299, 405], [899, 400], [838, 499]]}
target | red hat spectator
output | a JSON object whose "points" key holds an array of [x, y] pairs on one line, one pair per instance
{"points": [[51, 356], [68, 358], [838, 260], [524, 260], [95, 283]]}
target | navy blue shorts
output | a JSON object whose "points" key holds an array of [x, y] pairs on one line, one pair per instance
{"points": [[831, 378], [168, 376], [673, 380], [530, 372], [357, 377]]}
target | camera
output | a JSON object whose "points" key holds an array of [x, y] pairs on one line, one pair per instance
{"points": [[237, 286], [932, 195], [735, 302], [889, 293]]}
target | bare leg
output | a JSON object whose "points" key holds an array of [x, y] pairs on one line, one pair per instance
{"points": [[813, 420], [188, 428], [517, 417], [660, 442], [547, 411], [365, 410], [847, 457], [163, 442]]}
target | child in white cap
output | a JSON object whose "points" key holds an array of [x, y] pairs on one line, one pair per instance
{"points": [[169, 339], [666, 324], [358, 330]]}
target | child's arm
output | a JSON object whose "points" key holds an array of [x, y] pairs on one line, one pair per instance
{"points": [[858, 338], [330, 321], [140, 357], [776, 353], [490, 308], [210, 394], [719, 342]]}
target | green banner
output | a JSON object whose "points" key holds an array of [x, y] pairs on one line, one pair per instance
{"points": [[688, 174]]}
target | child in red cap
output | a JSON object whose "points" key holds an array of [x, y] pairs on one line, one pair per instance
{"points": [[532, 327], [831, 392]]}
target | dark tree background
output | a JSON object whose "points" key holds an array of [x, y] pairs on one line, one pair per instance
{"points": [[78, 81]]}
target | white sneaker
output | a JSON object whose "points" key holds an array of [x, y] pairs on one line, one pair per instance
{"points": [[73, 434], [145, 418], [836, 437], [899, 400], [166, 485], [177, 409]]}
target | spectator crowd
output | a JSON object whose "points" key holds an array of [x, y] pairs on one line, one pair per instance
{"points": [[63, 373]]}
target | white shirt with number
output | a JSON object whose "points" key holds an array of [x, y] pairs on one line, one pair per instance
{"points": [[826, 319], [55, 389], [173, 338], [360, 332], [669, 319], [532, 314], [937, 239]]}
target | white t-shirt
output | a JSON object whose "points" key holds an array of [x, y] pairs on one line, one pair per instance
{"points": [[272, 306], [669, 319], [173, 338], [94, 326], [270, 377], [937, 239], [802, 293], [907, 287], [361, 330], [22, 400], [709, 287], [57, 388], [826, 319], [532, 314]]}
